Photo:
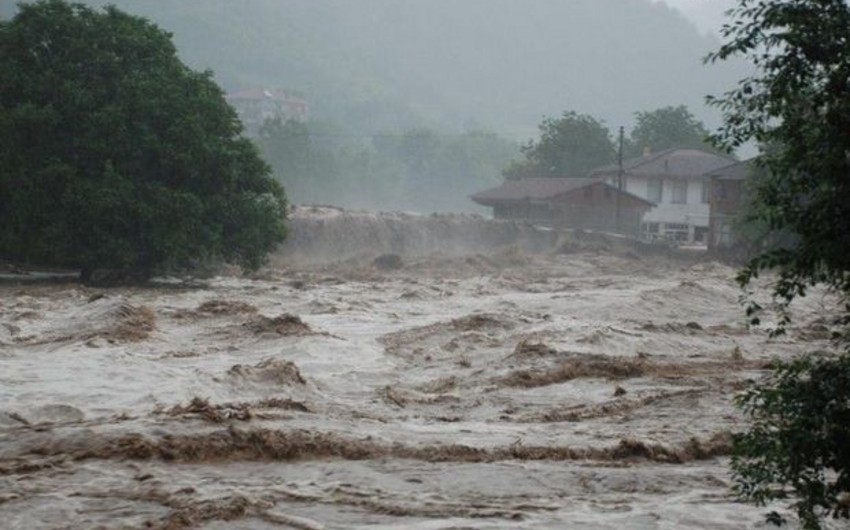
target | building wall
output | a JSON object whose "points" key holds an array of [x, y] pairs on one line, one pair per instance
{"points": [[595, 207], [687, 222], [524, 211], [693, 212]]}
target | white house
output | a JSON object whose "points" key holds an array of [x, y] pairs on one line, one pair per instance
{"points": [[677, 182]]}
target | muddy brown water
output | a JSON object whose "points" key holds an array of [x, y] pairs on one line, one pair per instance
{"points": [[502, 391]]}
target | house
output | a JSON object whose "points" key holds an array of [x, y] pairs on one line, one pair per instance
{"points": [[676, 182], [254, 106], [566, 202], [728, 197]]}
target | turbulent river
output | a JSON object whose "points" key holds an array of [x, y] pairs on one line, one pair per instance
{"points": [[483, 387]]}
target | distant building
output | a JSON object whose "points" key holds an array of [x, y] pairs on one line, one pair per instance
{"points": [[728, 198], [566, 202], [255, 106], [676, 181]]}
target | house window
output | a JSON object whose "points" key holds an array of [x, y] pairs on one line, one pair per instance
{"points": [[654, 189], [680, 192], [676, 231], [703, 197]]}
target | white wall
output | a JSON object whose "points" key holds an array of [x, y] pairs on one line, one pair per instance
{"points": [[694, 212]]}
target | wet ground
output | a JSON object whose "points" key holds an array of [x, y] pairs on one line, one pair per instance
{"points": [[584, 390]]}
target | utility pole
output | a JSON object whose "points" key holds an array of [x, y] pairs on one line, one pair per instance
{"points": [[620, 183]]}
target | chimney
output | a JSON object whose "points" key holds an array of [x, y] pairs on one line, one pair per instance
{"points": [[647, 151]]}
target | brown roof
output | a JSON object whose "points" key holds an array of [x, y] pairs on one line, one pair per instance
{"points": [[736, 171], [529, 189], [538, 189], [683, 163]]}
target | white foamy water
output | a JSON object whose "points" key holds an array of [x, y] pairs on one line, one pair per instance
{"points": [[589, 390]]}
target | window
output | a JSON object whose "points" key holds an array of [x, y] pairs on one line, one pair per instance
{"points": [[654, 190], [703, 197], [676, 231], [680, 192]]}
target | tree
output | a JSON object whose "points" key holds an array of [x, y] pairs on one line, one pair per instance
{"points": [[113, 154], [665, 128], [570, 146], [307, 171], [798, 102]]}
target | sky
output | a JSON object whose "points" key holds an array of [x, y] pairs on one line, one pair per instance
{"points": [[706, 14]]}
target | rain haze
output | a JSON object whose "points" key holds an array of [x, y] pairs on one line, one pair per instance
{"points": [[708, 15], [492, 308], [426, 102]]}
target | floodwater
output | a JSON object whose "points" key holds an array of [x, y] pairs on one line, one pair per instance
{"points": [[590, 389]]}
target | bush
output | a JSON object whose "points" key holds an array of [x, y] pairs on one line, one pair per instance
{"points": [[115, 155], [796, 107], [798, 445]]}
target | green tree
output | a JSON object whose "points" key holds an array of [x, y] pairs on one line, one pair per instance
{"points": [[308, 171], [114, 154], [665, 128], [569, 146], [798, 101]]}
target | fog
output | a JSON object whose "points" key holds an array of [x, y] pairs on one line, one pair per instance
{"points": [[383, 67], [708, 15]]}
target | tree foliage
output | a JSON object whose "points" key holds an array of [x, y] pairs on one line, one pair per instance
{"points": [[114, 154], [799, 443], [569, 146], [797, 102], [665, 128]]}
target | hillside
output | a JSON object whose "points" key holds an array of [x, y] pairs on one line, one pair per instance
{"points": [[376, 65]]}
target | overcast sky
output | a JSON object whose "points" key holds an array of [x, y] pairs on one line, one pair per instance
{"points": [[706, 14]]}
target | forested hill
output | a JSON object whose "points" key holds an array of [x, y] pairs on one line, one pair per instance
{"points": [[499, 64]]}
